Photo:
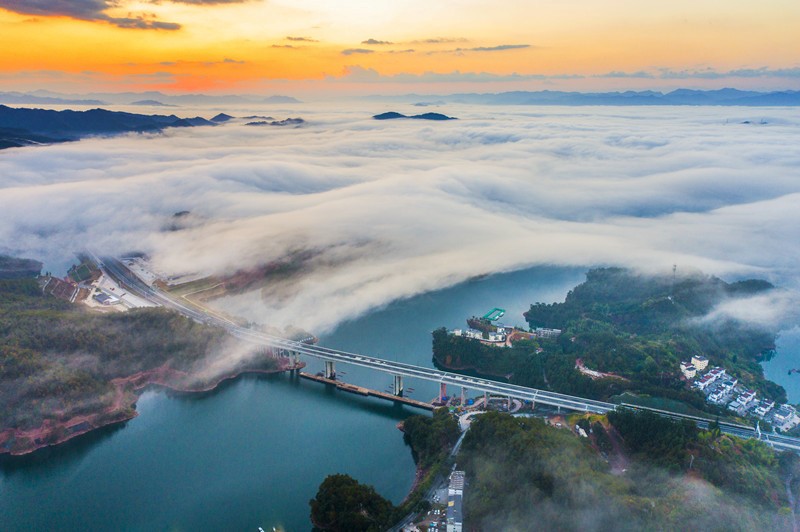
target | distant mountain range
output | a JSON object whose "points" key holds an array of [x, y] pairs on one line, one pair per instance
{"points": [[677, 97], [22, 127], [391, 115], [152, 98]]}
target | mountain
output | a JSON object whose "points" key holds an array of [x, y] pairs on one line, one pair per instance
{"points": [[222, 117], [280, 99], [20, 127], [392, 115], [18, 98], [152, 103], [676, 97], [284, 122]]}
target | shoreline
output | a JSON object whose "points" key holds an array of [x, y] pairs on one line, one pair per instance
{"points": [[127, 391]]}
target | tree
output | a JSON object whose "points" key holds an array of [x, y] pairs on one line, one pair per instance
{"points": [[343, 504]]}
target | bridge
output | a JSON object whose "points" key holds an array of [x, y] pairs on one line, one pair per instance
{"points": [[400, 370]]}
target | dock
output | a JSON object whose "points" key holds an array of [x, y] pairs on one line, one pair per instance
{"points": [[360, 390]]}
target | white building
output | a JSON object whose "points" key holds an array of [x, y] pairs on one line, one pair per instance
{"points": [[455, 495], [763, 407], [688, 370], [542, 332], [699, 362], [785, 417]]}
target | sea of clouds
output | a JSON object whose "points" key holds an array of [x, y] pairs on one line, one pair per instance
{"points": [[381, 210]]}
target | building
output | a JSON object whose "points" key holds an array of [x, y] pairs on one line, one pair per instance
{"points": [[763, 407], [542, 332], [455, 495], [709, 378], [785, 417], [106, 299], [688, 370], [699, 362]]}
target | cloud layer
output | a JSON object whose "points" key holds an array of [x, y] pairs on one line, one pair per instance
{"points": [[384, 210], [96, 10]]}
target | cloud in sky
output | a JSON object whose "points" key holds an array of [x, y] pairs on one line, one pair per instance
{"points": [[498, 48], [384, 210], [353, 51], [441, 40], [375, 42], [301, 39], [85, 10], [96, 10]]}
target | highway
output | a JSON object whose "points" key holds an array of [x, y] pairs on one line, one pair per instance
{"points": [[126, 278]]}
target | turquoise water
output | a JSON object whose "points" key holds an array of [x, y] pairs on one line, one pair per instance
{"points": [[787, 357], [254, 452]]}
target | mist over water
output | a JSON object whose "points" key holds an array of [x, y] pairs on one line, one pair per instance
{"points": [[374, 211]]}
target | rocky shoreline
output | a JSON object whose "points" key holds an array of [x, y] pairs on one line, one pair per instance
{"points": [[18, 442]]}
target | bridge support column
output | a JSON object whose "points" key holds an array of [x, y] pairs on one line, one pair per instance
{"points": [[330, 370], [463, 396], [442, 390], [398, 385], [486, 400], [508, 404]]}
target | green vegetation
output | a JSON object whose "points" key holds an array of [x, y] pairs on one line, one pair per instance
{"points": [[748, 467], [344, 505], [57, 360], [522, 471], [636, 327], [430, 438]]}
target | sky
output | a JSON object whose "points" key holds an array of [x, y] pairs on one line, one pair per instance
{"points": [[386, 46], [374, 211]]}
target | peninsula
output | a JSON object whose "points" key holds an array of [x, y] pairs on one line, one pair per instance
{"points": [[625, 337], [66, 370], [26, 127]]}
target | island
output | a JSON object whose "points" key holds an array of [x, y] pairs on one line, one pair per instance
{"points": [[66, 369], [284, 122], [392, 115]]}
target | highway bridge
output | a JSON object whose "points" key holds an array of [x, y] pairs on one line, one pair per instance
{"points": [[401, 370]]}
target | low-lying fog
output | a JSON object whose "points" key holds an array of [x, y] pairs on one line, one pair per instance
{"points": [[380, 210]]}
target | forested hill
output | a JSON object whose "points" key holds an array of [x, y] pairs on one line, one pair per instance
{"points": [[666, 475], [60, 363], [643, 304], [21, 127], [638, 328]]}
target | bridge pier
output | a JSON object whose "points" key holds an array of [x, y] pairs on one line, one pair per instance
{"points": [[463, 396], [508, 404], [442, 390], [486, 400], [330, 370], [398, 385]]}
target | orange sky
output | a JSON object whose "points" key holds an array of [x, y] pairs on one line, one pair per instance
{"points": [[259, 46]]}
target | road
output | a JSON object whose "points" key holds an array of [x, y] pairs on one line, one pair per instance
{"points": [[126, 278]]}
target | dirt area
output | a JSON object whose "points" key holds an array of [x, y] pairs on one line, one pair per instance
{"points": [[593, 374]]}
